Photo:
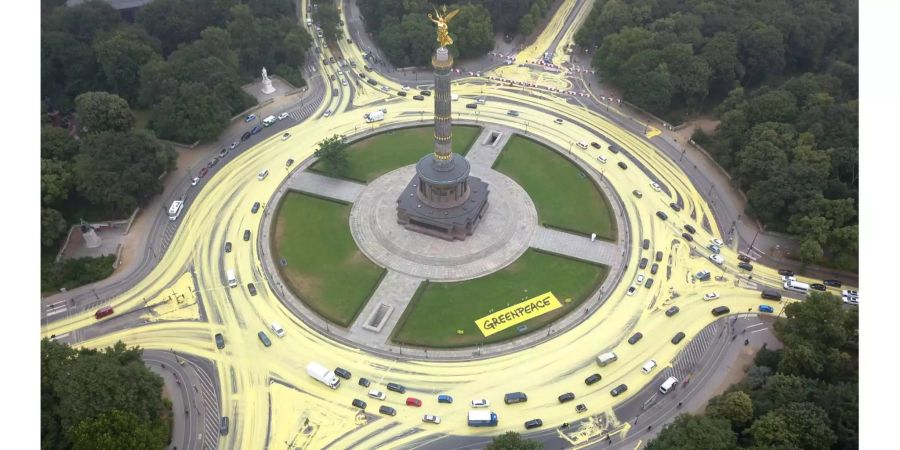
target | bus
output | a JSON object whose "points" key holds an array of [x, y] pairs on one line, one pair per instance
{"points": [[175, 209], [796, 286]]}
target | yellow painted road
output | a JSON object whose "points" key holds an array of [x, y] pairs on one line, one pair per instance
{"points": [[267, 391]]}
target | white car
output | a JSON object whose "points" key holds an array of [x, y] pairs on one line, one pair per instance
{"points": [[602, 159], [786, 278], [851, 300], [480, 403], [714, 248], [655, 186], [849, 293], [631, 290], [374, 393], [431, 419], [384, 89], [195, 181], [640, 278], [283, 116], [717, 242], [235, 144], [405, 88], [285, 136], [344, 81], [710, 296], [649, 366], [327, 112], [718, 259]]}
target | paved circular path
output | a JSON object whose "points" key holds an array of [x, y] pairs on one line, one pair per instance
{"points": [[502, 236]]}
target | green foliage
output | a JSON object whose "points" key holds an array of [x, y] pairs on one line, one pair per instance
{"points": [[100, 399], [473, 34], [176, 22], [796, 425], [57, 143], [735, 407], [56, 181], [327, 17], [98, 112], [526, 25], [698, 432], [408, 42], [121, 55], [333, 152], [513, 441], [71, 273], [290, 74], [191, 113], [53, 226]]}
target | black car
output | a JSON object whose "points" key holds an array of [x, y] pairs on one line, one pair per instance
{"points": [[401, 93], [472, 105], [254, 208], [635, 337], [567, 397], [364, 382], [654, 268], [251, 288], [533, 423], [580, 408], [220, 341], [367, 68], [614, 148], [334, 92], [223, 425], [264, 339], [675, 206], [744, 258], [672, 311], [228, 247], [418, 97], [331, 59], [646, 244], [648, 283], [359, 403], [396, 388], [332, 77], [223, 152], [637, 193], [662, 215], [618, 390], [245, 136], [372, 82], [592, 379], [818, 286], [387, 410], [719, 310], [428, 93], [786, 272], [288, 163], [678, 337], [623, 165], [746, 266], [246, 235], [659, 256], [595, 145], [832, 283], [643, 263], [687, 237], [343, 373], [690, 228]]}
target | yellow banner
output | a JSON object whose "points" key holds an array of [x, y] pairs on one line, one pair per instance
{"points": [[518, 313]]}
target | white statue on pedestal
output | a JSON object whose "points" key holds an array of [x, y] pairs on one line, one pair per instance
{"points": [[267, 83]]}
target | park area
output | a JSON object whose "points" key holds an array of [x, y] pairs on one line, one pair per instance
{"points": [[323, 267], [439, 310], [375, 156], [564, 196]]}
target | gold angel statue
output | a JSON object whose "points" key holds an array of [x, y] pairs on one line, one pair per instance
{"points": [[443, 34]]}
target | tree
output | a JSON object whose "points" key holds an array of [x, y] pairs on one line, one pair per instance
{"points": [[121, 56], [796, 425], [720, 53], [652, 91], [762, 53], [101, 111], [689, 431], [56, 181], [68, 68], [526, 25], [801, 360], [57, 143], [473, 34], [85, 20], [735, 407], [513, 441], [114, 430], [190, 114], [53, 226], [328, 19], [332, 151], [176, 22]]}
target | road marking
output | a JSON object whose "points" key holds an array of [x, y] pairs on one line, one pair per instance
{"points": [[55, 312]]}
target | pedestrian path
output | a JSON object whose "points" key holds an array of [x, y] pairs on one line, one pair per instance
{"points": [[576, 246], [488, 146], [375, 323], [313, 183]]}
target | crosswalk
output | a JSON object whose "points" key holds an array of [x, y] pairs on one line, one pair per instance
{"points": [[303, 112], [687, 359]]}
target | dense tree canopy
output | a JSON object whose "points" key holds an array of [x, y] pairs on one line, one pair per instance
{"points": [[333, 152], [101, 111], [698, 432], [512, 441]]}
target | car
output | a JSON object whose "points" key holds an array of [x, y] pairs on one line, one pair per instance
{"points": [[327, 112], [832, 283], [515, 397], [223, 425], [631, 290], [642, 264], [376, 394], [766, 309], [659, 256], [618, 390], [512, 113], [431, 419], [719, 310], [405, 88], [444, 398], [818, 286], [103, 312], [623, 165], [285, 136], [343, 373], [251, 288], [472, 105], [220, 341], [228, 247], [412, 401], [662, 215], [283, 116], [364, 382], [785, 272], [648, 366], [690, 228], [648, 283], [714, 248], [425, 93], [639, 279], [254, 208], [850, 293], [480, 403], [687, 237], [580, 408], [745, 265], [331, 59], [675, 206], [637, 193], [288, 163], [195, 180], [246, 235], [343, 82], [401, 93], [533, 423], [234, 145], [592, 379], [602, 160], [646, 244], [245, 136], [558, 121], [367, 68], [635, 337], [387, 410], [212, 163], [744, 258], [223, 152], [256, 129], [654, 186], [250, 118], [567, 397], [203, 172], [703, 275], [396, 388], [850, 300], [654, 268], [678, 337], [385, 89], [358, 403], [711, 296], [418, 97], [717, 242], [595, 145], [265, 339], [718, 259], [672, 311]]}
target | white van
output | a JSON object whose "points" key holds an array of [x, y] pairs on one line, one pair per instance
{"points": [[453, 97], [668, 385], [606, 358], [796, 286], [582, 145], [262, 175], [277, 329], [232, 279], [269, 121], [649, 366]]}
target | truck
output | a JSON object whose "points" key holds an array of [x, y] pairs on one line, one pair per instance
{"points": [[325, 376], [374, 116], [796, 286], [175, 209], [481, 418], [269, 121], [232, 279]]}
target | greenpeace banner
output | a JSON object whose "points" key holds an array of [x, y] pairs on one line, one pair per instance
{"points": [[518, 313]]}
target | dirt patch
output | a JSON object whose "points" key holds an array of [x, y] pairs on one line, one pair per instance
{"points": [[707, 124]]}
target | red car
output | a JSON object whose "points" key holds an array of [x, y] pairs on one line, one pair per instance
{"points": [[203, 172], [410, 401], [103, 312]]}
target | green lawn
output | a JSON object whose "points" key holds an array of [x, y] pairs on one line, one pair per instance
{"points": [[375, 156], [440, 309], [564, 196], [324, 266]]}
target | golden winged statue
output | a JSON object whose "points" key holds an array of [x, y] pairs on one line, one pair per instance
{"points": [[443, 34]]}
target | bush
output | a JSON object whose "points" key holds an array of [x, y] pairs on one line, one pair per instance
{"points": [[72, 273], [291, 75]]}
